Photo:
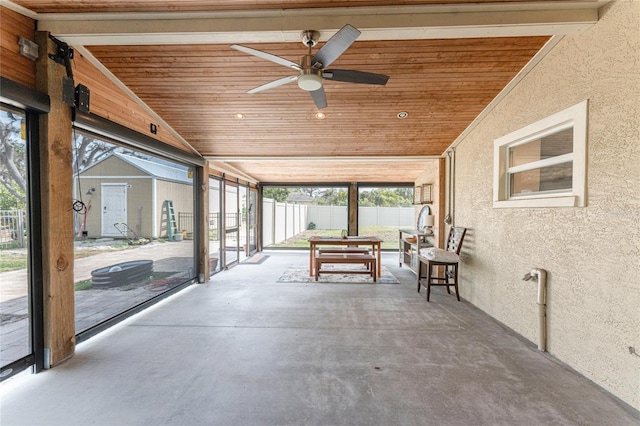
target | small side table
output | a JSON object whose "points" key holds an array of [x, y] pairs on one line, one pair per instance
{"points": [[411, 241]]}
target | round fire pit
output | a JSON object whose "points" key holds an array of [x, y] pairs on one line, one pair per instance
{"points": [[121, 274]]}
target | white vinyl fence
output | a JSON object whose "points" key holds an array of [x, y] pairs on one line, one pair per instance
{"points": [[284, 220], [387, 216], [281, 221]]}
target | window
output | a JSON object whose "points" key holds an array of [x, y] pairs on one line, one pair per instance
{"points": [[292, 214], [384, 210], [135, 236], [544, 163], [15, 238]]}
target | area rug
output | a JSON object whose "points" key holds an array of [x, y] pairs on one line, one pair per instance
{"points": [[256, 259], [300, 274]]}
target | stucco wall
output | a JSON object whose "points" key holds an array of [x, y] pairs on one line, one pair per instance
{"points": [[431, 175], [592, 254]]}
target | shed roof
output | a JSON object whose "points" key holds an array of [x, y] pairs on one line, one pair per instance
{"points": [[157, 168]]}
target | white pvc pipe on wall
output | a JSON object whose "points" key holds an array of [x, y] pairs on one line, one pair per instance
{"points": [[541, 276]]}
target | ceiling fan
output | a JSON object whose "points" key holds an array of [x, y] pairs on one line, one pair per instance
{"points": [[312, 68]]}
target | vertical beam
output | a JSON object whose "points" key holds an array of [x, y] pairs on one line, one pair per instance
{"points": [[440, 200], [56, 180], [202, 221], [353, 208], [258, 214], [273, 222]]}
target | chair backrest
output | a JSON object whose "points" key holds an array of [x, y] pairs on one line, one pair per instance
{"points": [[454, 242]]}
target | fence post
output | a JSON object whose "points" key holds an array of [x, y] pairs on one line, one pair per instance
{"points": [[273, 227], [20, 230]]}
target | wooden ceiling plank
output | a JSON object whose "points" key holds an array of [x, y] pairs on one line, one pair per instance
{"points": [[444, 83]]}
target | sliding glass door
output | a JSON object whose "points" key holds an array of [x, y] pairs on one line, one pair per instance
{"points": [[215, 225], [135, 238], [21, 337], [252, 222], [231, 224]]}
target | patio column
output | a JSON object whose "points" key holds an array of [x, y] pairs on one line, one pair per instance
{"points": [[353, 208], [57, 213]]}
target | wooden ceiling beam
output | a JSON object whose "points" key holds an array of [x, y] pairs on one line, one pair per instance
{"points": [[377, 23], [331, 159]]}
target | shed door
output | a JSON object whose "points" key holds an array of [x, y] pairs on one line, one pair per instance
{"points": [[114, 208]]}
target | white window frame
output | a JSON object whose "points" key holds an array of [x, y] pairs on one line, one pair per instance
{"points": [[573, 117]]}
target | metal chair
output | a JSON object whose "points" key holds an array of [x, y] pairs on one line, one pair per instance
{"points": [[448, 259]]}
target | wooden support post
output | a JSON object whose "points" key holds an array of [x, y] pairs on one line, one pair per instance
{"points": [[56, 178], [353, 208], [202, 207], [259, 219]]}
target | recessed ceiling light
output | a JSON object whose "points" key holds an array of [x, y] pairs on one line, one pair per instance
{"points": [[403, 114], [320, 115], [239, 116]]}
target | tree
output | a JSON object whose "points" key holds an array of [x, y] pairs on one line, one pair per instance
{"points": [[88, 151], [13, 158], [334, 197], [386, 197], [10, 202], [13, 154], [314, 192], [278, 194]]}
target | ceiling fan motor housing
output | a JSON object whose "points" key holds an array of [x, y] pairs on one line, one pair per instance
{"points": [[310, 78]]}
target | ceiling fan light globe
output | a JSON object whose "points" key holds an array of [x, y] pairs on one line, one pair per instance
{"points": [[310, 82]]}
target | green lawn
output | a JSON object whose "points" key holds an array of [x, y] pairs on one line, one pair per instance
{"points": [[13, 260], [388, 234]]}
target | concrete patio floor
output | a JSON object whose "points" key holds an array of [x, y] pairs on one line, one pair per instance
{"points": [[243, 349]]}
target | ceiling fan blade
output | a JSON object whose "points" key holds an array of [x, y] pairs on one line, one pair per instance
{"points": [[335, 46], [319, 98], [274, 83], [351, 76], [267, 56]]}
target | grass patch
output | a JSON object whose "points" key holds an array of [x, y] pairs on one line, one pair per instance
{"points": [[12, 262], [82, 285], [16, 260], [82, 252], [388, 234]]}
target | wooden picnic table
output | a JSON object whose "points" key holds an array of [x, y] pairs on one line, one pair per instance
{"points": [[373, 242]]}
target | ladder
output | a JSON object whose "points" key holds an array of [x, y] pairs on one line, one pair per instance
{"points": [[170, 214]]}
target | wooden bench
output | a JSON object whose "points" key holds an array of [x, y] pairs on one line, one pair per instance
{"points": [[347, 258], [344, 250]]}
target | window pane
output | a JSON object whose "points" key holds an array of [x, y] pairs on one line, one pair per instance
{"points": [[382, 212], [15, 340], [552, 178], [232, 224], [293, 214], [252, 222], [549, 146], [135, 238], [215, 225]]}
